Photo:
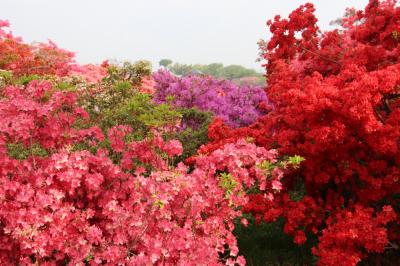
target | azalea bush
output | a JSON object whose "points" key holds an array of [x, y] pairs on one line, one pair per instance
{"points": [[113, 164], [235, 105], [335, 98], [90, 173], [62, 205], [41, 58], [124, 96]]}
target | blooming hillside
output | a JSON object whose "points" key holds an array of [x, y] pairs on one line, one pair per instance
{"points": [[115, 165]]}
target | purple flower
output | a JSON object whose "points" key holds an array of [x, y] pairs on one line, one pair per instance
{"points": [[236, 105]]}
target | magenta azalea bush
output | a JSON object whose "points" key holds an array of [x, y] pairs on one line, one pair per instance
{"points": [[236, 105]]}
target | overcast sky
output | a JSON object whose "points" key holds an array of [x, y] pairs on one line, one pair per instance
{"points": [[186, 31]]}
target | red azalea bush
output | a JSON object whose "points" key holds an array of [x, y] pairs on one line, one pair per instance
{"points": [[336, 103], [41, 58], [23, 58]]}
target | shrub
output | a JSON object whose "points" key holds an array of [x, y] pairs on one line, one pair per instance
{"points": [[335, 98], [235, 105]]}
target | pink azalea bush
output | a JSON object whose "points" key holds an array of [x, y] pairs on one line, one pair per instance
{"points": [[60, 203]]}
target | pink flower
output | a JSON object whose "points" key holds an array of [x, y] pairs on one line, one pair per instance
{"points": [[173, 148], [148, 85], [4, 23], [276, 185]]}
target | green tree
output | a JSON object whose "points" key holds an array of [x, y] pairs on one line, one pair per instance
{"points": [[165, 62], [181, 69], [236, 71], [214, 69], [218, 70]]}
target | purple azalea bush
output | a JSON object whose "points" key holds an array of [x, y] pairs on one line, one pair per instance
{"points": [[236, 105]]}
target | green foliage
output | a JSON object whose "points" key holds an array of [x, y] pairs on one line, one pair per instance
{"points": [[65, 86], [165, 62], [181, 69], [196, 132], [5, 77], [390, 258], [141, 114], [123, 86], [217, 70], [25, 79], [157, 202], [227, 183], [131, 72], [89, 258], [118, 87], [119, 102], [268, 166], [295, 161], [266, 244], [170, 99], [85, 146], [298, 191], [159, 116], [236, 71], [19, 151], [290, 161], [214, 69]]}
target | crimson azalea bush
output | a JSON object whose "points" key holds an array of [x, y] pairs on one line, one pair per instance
{"points": [[336, 103], [41, 58]]}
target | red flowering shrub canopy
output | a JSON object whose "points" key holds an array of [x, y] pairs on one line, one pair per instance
{"points": [[336, 103]]}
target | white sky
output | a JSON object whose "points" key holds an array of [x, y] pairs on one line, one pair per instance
{"points": [[186, 31]]}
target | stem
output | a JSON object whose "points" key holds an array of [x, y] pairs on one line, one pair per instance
{"points": [[319, 55], [379, 116], [392, 246]]}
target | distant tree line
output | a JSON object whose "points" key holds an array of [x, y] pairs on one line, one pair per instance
{"points": [[235, 73]]}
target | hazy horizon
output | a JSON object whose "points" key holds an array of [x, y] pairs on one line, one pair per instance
{"points": [[184, 31]]}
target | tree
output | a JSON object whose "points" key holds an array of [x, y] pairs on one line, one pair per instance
{"points": [[213, 69], [165, 62], [236, 71], [181, 69], [217, 70]]}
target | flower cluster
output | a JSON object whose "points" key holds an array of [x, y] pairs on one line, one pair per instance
{"points": [[236, 105]]}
